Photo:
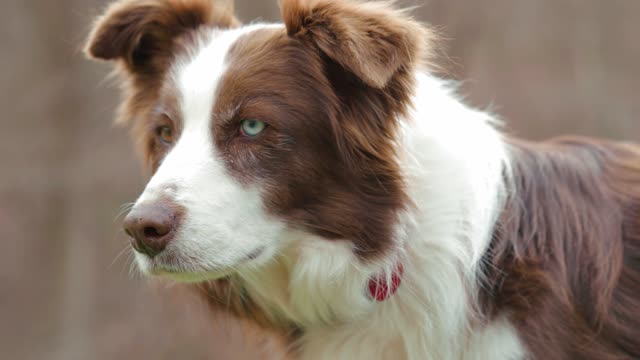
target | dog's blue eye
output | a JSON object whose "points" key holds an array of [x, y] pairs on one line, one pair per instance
{"points": [[252, 127]]}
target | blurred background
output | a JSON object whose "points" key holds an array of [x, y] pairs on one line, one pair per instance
{"points": [[66, 291]]}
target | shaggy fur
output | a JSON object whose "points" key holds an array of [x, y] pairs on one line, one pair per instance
{"points": [[510, 250]]}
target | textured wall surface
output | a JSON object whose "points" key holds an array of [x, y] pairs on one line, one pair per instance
{"points": [[547, 67]]}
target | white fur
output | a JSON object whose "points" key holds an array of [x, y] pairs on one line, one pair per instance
{"points": [[497, 341], [453, 160]]}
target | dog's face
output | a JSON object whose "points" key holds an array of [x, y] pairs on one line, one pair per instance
{"points": [[260, 136]]}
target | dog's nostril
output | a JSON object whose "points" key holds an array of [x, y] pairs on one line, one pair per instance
{"points": [[151, 232]]}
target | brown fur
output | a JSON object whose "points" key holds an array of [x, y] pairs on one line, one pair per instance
{"points": [[565, 261], [144, 37], [371, 40], [142, 32]]}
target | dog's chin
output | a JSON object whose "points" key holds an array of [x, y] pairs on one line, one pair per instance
{"points": [[169, 267], [185, 273]]}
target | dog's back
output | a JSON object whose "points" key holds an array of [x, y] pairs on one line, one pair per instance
{"points": [[565, 261]]}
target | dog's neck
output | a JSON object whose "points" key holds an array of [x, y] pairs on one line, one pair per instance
{"points": [[317, 282]]}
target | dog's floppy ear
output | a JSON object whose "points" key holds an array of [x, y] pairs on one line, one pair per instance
{"points": [[142, 32], [371, 40]]}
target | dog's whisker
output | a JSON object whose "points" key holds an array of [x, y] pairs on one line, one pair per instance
{"points": [[120, 253], [124, 209]]}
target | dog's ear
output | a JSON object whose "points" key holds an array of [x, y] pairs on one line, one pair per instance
{"points": [[141, 33], [371, 40]]}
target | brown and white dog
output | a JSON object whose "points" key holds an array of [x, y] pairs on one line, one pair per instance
{"points": [[315, 178]]}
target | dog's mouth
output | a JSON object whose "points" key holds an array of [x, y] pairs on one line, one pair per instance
{"points": [[191, 276], [184, 269]]}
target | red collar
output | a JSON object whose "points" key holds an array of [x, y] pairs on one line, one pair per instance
{"points": [[380, 289]]}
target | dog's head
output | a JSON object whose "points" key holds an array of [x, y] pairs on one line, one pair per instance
{"points": [[261, 135]]}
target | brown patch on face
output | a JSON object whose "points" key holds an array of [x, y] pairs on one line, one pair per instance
{"points": [[326, 162], [564, 264], [165, 115], [144, 37]]}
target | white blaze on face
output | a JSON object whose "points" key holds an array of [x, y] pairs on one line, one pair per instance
{"points": [[224, 221]]}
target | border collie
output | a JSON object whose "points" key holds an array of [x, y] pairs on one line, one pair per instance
{"points": [[314, 177]]}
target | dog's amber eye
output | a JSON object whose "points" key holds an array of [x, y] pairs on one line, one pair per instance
{"points": [[252, 127], [165, 134]]}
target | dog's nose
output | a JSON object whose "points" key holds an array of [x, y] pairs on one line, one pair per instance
{"points": [[151, 227]]}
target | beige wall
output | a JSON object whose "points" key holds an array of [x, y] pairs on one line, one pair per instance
{"points": [[547, 66]]}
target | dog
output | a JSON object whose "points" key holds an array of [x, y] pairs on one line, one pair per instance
{"points": [[313, 176]]}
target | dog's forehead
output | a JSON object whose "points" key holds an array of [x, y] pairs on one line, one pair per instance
{"points": [[198, 74]]}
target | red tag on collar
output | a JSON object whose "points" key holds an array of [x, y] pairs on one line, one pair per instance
{"points": [[380, 290]]}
